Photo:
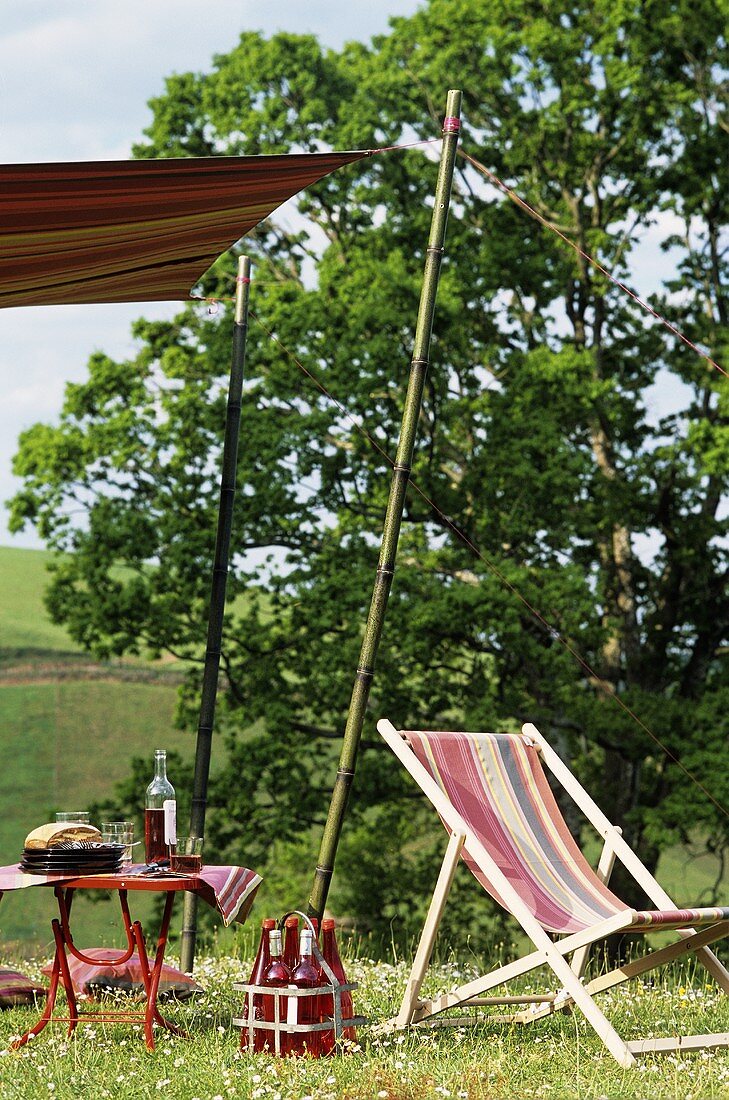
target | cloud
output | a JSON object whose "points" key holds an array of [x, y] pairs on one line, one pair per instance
{"points": [[75, 79]]}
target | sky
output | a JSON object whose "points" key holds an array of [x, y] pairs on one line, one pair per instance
{"points": [[75, 79]]}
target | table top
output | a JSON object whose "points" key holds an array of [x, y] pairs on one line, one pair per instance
{"points": [[228, 889], [126, 881]]}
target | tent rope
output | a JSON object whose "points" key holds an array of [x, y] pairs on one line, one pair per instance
{"points": [[516, 198]]}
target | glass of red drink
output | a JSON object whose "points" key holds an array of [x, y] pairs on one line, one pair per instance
{"points": [[186, 855]]}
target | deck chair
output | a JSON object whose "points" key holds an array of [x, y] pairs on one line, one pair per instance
{"points": [[492, 795]]}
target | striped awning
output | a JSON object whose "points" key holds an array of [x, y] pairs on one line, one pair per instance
{"points": [[135, 231]]}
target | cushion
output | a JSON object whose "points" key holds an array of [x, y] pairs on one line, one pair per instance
{"points": [[93, 980], [16, 989]]}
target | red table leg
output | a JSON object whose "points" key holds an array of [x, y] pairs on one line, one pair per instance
{"points": [[135, 938], [65, 975], [59, 972], [151, 975], [52, 990]]}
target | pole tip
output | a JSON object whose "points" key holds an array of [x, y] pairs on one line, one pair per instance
{"points": [[242, 284], [452, 121]]}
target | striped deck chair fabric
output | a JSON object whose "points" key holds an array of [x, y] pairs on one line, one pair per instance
{"points": [[493, 797], [497, 783]]}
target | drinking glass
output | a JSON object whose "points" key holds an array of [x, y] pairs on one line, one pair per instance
{"points": [[186, 856], [119, 832], [78, 817]]}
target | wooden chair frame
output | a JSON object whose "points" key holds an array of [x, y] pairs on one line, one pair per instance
{"points": [[572, 991]]}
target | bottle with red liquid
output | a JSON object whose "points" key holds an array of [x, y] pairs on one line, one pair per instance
{"points": [[260, 965], [277, 975], [304, 1010], [291, 942], [326, 1001], [160, 812]]}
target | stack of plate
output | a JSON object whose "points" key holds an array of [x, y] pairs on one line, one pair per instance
{"points": [[89, 859]]}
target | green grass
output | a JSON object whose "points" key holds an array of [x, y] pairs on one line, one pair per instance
{"points": [[66, 739], [558, 1057], [69, 743], [24, 622]]}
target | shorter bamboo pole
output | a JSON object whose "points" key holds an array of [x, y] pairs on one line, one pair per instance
{"points": [[217, 595], [393, 515]]}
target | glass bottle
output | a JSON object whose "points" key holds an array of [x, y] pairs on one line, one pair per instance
{"points": [[278, 975], [260, 965], [305, 1010], [160, 812], [291, 941], [330, 952]]}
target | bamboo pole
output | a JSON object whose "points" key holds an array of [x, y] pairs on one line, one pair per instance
{"points": [[393, 515], [217, 595]]}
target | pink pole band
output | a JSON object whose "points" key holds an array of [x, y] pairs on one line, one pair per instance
{"points": [[451, 124]]}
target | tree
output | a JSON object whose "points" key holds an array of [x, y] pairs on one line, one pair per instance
{"points": [[540, 443]]}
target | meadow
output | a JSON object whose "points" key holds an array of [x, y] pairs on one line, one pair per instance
{"points": [[555, 1058], [69, 730]]}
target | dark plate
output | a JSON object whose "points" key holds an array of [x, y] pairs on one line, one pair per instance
{"points": [[70, 869], [78, 855]]}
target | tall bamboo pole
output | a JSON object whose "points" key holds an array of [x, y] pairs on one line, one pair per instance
{"points": [[217, 594], [393, 516]]}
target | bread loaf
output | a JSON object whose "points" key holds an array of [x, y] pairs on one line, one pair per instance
{"points": [[60, 832]]}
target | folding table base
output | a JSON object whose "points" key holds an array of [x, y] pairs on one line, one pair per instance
{"points": [[60, 973]]}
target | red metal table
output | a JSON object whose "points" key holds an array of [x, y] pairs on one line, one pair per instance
{"points": [[229, 889], [135, 941]]}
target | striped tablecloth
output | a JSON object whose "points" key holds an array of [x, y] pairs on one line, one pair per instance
{"points": [[230, 890]]}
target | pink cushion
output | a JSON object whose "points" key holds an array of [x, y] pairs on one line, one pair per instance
{"points": [[91, 979], [16, 989]]}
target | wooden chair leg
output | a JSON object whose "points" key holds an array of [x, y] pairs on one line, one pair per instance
{"points": [[430, 929], [603, 871], [661, 956], [718, 971]]}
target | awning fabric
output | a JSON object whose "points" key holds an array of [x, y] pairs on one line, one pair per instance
{"points": [[135, 231]]}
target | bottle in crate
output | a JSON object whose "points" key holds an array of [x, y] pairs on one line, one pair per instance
{"points": [[277, 976], [304, 1010], [291, 941], [326, 1001], [260, 966]]}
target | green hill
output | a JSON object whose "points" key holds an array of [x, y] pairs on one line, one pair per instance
{"points": [[24, 622], [69, 728]]}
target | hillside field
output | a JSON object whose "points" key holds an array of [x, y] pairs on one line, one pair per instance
{"points": [[69, 727]]}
